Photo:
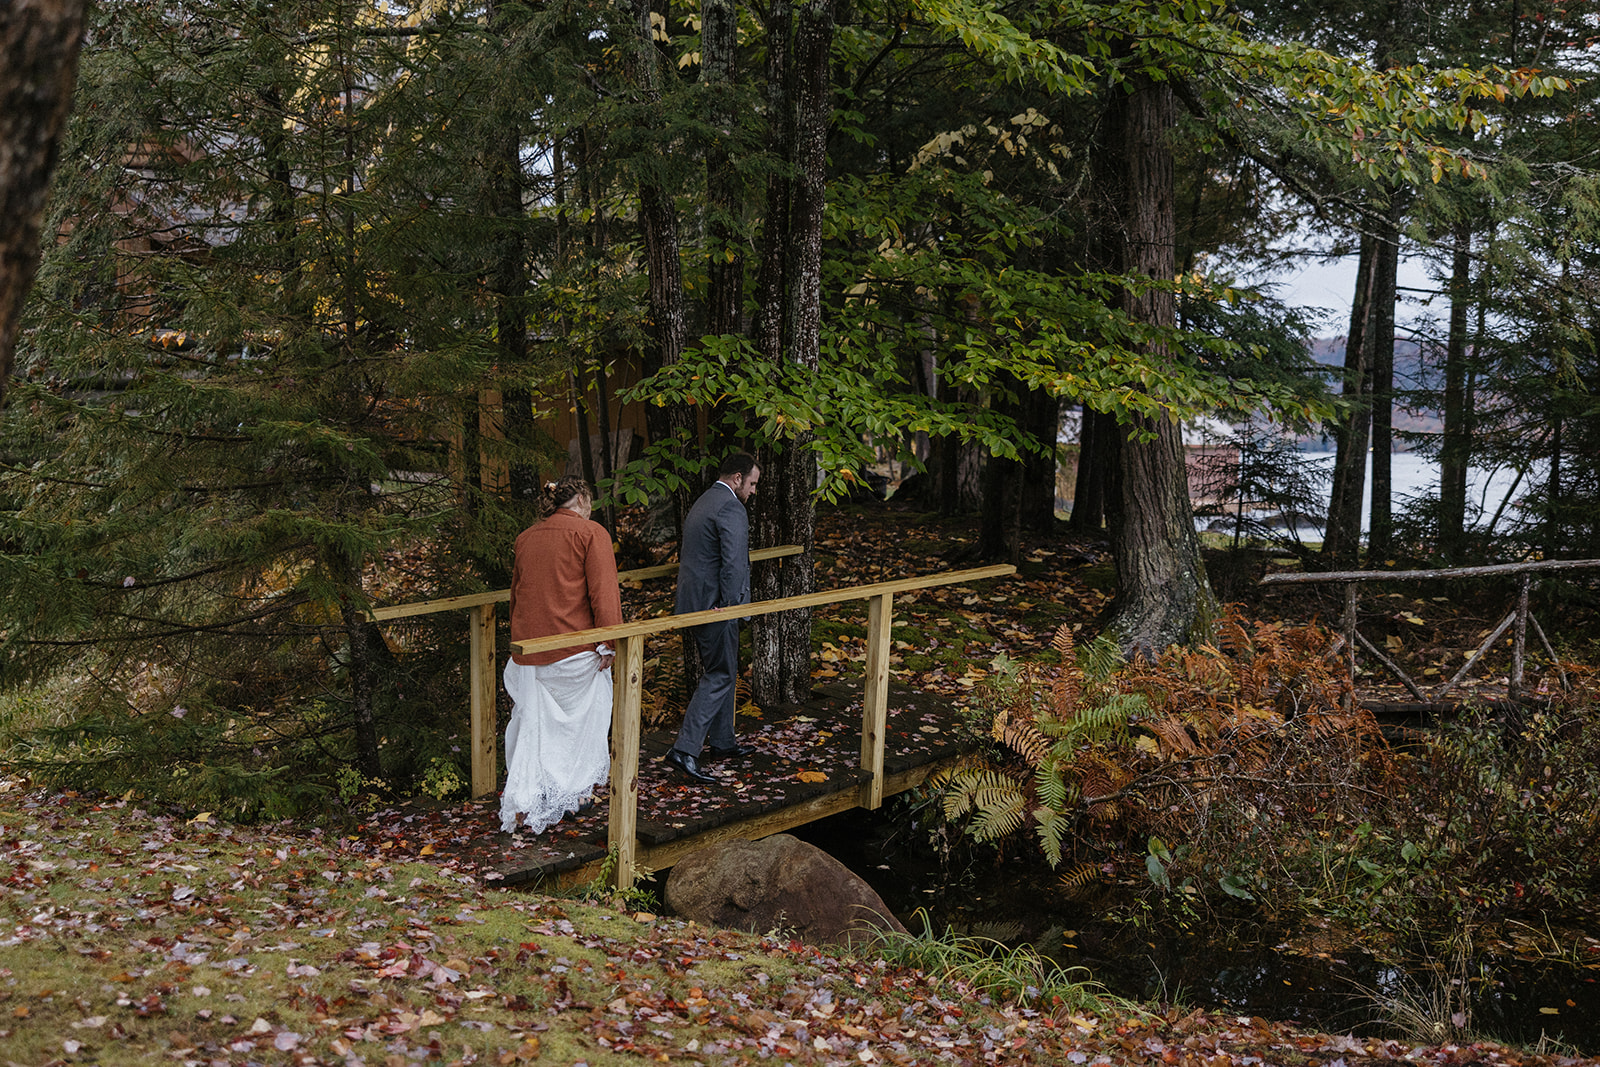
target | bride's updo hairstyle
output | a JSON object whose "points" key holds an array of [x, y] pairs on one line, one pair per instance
{"points": [[561, 493]]}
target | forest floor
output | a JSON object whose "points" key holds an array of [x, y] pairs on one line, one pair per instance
{"points": [[132, 936], [131, 932], [947, 638]]}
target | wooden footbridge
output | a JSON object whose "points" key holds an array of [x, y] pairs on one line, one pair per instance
{"points": [[851, 745]]}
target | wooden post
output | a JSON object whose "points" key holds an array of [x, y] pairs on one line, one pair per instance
{"points": [[1488, 642], [626, 706], [1519, 637], [1350, 641], [480, 626], [494, 469], [1555, 661], [875, 697]]}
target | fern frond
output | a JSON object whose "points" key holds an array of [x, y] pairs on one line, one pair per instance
{"points": [[1062, 643], [1094, 778], [1100, 658], [1082, 875], [1000, 813], [1025, 740], [1051, 827], [973, 789], [1174, 739], [1054, 788]]}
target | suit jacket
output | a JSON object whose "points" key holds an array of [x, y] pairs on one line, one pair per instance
{"points": [[714, 555]]}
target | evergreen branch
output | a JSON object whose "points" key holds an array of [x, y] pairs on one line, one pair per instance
{"points": [[221, 626]]}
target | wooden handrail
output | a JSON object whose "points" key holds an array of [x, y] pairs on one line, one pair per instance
{"points": [[1443, 572], [662, 623], [501, 596], [628, 677], [481, 623], [1519, 617], [628, 692]]}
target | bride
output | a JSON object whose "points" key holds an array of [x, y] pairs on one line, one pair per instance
{"points": [[563, 578]]}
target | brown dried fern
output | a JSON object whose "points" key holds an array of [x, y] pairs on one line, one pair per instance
{"points": [[1025, 740]]}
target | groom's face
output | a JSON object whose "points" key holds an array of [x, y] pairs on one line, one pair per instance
{"points": [[744, 485]]}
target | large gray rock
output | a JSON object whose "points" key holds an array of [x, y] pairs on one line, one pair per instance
{"points": [[778, 883]]}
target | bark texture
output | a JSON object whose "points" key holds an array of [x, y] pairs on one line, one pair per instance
{"points": [[790, 330], [1455, 454], [725, 261], [1097, 449], [39, 41], [658, 225], [1341, 543], [1163, 596], [1385, 294]]}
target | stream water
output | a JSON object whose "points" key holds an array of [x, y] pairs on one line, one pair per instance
{"points": [[1239, 967]]}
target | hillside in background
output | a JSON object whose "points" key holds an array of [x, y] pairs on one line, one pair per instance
{"points": [[1411, 372]]}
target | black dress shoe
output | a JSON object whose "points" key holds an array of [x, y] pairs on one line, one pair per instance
{"points": [[688, 765], [731, 751]]}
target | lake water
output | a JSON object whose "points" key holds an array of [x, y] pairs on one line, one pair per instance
{"points": [[1413, 476]]}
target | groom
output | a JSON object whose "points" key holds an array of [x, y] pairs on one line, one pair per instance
{"points": [[713, 574]]}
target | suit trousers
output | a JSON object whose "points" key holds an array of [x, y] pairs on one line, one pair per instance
{"points": [[709, 716]]}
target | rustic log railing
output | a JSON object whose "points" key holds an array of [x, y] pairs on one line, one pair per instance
{"points": [[481, 622], [1519, 618], [628, 670]]}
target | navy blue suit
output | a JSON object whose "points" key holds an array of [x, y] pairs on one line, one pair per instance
{"points": [[713, 572]]}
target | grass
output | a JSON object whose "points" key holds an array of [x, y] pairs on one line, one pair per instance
{"points": [[1013, 974], [130, 936]]}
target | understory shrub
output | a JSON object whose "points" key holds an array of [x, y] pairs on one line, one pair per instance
{"points": [[261, 731], [1246, 774]]}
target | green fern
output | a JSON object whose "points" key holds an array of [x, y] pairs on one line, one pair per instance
{"points": [[1053, 786], [972, 789], [1106, 721], [1000, 814], [1052, 826], [1099, 659]]}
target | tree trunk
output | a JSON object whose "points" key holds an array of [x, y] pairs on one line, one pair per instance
{"points": [[1381, 539], [602, 407], [771, 284], [1039, 471], [724, 258], [1455, 453], [39, 42], [658, 225], [781, 670], [1096, 453], [1000, 517], [1163, 597], [510, 281], [1341, 541]]}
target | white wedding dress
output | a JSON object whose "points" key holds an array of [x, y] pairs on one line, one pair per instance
{"points": [[556, 747]]}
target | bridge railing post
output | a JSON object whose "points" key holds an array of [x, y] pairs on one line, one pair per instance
{"points": [[481, 627], [626, 710], [875, 697], [1519, 637]]}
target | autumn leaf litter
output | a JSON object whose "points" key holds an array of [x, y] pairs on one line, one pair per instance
{"points": [[130, 934]]}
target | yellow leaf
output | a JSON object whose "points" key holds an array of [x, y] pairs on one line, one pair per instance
{"points": [[426, 850], [204, 816], [812, 776]]}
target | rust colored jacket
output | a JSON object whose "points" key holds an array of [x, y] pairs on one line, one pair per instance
{"points": [[563, 578]]}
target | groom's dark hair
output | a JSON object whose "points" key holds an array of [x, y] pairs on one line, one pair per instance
{"points": [[737, 463]]}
